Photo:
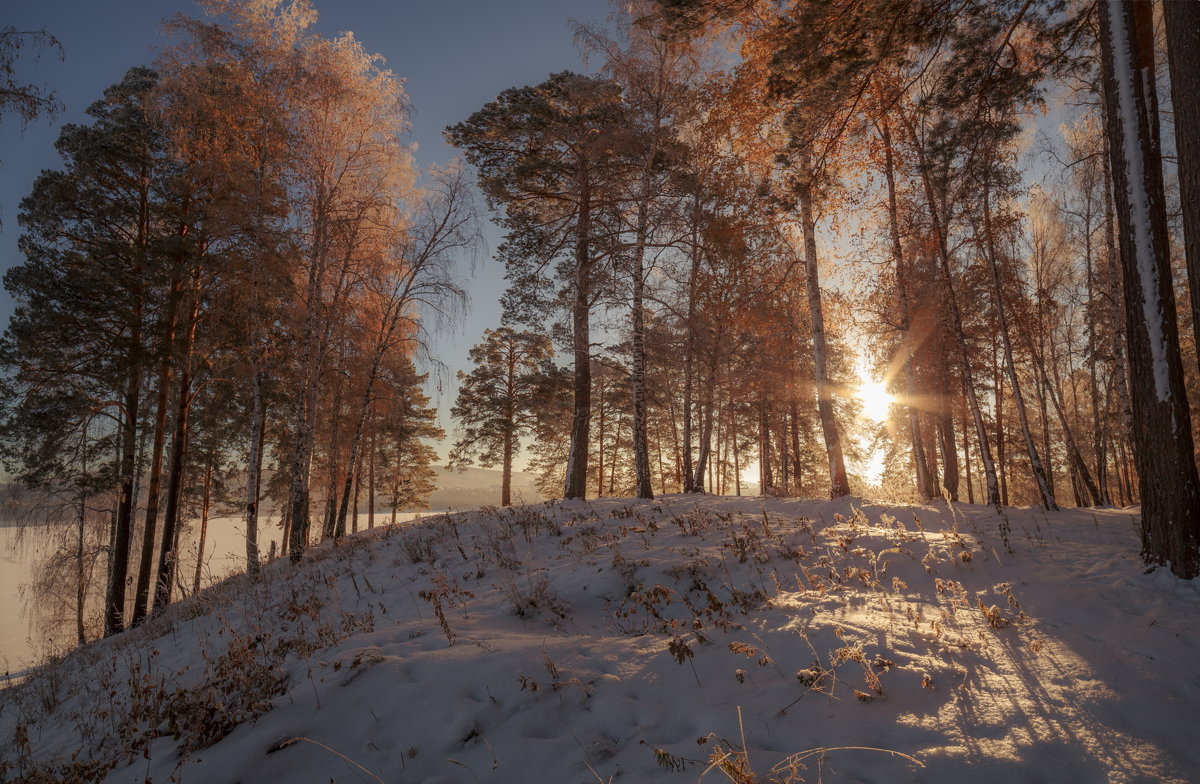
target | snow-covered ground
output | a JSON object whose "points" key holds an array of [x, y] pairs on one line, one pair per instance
{"points": [[618, 640]]}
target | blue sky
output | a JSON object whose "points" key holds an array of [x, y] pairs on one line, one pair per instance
{"points": [[455, 55]]}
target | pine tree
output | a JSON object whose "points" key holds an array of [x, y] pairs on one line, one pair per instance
{"points": [[1183, 53], [93, 242], [403, 427], [498, 400], [545, 156], [1162, 434]]}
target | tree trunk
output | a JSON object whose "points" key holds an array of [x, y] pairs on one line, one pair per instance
{"points": [[794, 410], [662, 464], [298, 510], [612, 469], [1035, 460], [168, 554], [675, 445], [360, 423], [298, 498], [1116, 309], [81, 573], [689, 352], [142, 600], [785, 456], [1162, 434], [1001, 446], [929, 433], [925, 484], [258, 419], [286, 525], [601, 422], [371, 485], [204, 505], [1125, 471], [641, 453], [764, 447], [1182, 19], [1093, 307], [114, 611], [966, 447], [506, 471], [357, 497], [737, 464], [142, 596], [510, 424], [1044, 413], [706, 424], [577, 459], [329, 526], [838, 483], [722, 460], [945, 427]]}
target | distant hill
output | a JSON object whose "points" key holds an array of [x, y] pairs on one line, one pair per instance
{"points": [[474, 487]]}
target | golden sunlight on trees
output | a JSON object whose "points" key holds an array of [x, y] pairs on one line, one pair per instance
{"points": [[277, 255], [816, 247]]}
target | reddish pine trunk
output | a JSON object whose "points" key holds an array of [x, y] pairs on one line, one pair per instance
{"points": [[1162, 434], [142, 599], [1182, 18], [167, 554]]}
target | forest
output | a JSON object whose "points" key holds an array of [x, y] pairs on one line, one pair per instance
{"points": [[229, 287]]}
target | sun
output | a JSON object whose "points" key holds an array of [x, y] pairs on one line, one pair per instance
{"points": [[876, 406], [876, 400]]}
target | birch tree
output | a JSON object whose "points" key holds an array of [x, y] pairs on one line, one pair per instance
{"points": [[252, 48], [350, 171], [413, 277]]}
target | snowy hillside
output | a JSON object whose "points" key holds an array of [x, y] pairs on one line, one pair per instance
{"points": [[684, 638]]}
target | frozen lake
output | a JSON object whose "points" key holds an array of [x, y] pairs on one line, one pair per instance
{"points": [[224, 554]]}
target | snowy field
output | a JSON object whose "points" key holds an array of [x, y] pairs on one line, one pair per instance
{"points": [[681, 639]]}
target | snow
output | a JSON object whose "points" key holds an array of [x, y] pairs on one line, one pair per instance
{"points": [[1135, 189], [623, 640]]}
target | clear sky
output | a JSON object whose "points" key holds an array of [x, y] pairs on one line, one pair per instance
{"points": [[455, 54]]}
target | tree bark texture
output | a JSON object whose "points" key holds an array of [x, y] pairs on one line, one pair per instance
{"points": [[1162, 433]]}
